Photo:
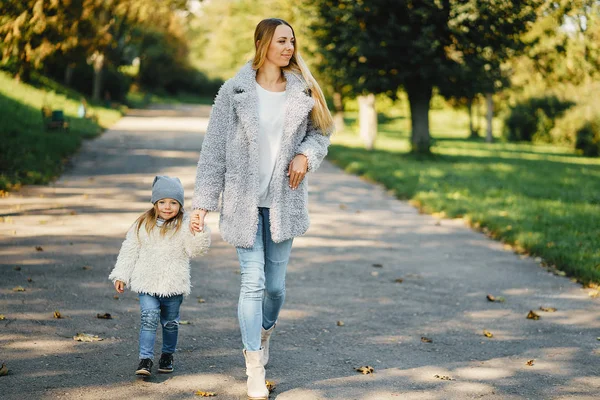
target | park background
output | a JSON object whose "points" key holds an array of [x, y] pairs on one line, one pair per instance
{"points": [[481, 110]]}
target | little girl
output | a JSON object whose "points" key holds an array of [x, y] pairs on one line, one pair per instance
{"points": [[155, 262]]}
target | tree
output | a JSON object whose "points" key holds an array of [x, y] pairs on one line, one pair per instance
{"points": [[381, 45]]}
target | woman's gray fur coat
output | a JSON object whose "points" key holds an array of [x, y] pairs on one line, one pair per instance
{"points": [[228, 162]]}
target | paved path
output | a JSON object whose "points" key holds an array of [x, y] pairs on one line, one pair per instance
{"points": [[361, 240]]}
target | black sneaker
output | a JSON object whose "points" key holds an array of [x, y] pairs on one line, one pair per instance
{"points": [[144, 367], [165, 364]]}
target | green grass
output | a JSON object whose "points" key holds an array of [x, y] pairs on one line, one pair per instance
{"points": [[28, 153], [543, 200], [142, 100]]}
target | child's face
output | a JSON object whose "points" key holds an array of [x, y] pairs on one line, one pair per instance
{"points": [[167, 208]]}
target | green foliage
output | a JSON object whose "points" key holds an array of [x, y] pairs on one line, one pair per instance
{"points": [[543, 200], [533, 119], [28, 153], [588, 139]]}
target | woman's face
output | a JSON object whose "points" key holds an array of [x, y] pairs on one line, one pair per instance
{"points": [[282, 45]]}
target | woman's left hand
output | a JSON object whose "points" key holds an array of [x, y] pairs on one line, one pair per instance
{"points": [[297, 169]]}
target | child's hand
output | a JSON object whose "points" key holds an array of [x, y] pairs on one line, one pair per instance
{"points": [[120, 286]]}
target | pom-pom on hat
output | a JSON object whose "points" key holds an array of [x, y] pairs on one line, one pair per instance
{"points": [[167, 187]]}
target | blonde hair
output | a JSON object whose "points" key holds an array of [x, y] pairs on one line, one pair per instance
{"points": [[149, 218], [263, 34]]}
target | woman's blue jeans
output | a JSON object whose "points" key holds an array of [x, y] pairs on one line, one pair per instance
{"points": [[153, 310], [262, 290]]}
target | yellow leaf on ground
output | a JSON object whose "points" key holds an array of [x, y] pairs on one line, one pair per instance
{"points": [[3, 370], [201, 300], [365, 370], [533, 315], [530, 363], [340, 323], [205, 394], [2, 317], [184, 323], [270, 385], [548, 309], [18, 289], [86, 337], [425, 339], [487, 334], [57, 315]]}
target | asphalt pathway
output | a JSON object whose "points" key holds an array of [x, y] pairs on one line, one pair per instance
{"points": [[370, 280]]}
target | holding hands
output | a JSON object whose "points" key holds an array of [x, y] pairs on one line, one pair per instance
{"points": [[197, 220]]}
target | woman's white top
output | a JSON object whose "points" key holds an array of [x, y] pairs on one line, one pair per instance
{"points": [[271, 113]]}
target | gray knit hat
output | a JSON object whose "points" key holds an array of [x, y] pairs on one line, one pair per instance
{"points": [[166, 187]]}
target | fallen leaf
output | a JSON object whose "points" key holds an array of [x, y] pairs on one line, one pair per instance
{"points": [[343, 207], [3, 370], [201, 300], [57, 314], [17, 268], [426, 339], [18, 289], [116, 297], [39, 248], [398, 280], [530, 363], [443, 377], [340, 323], [86, 337], [365, 370], [495, 299], [86, 268], [594, 293], [487, 334], [205, 394], [378, 265], [73, 212], [184, 323], [2, 317], [533, 315], [29, 280], [270, 385], [548, 309], [374, 273], [104, 316]]}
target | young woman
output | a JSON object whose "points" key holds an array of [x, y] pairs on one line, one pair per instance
{"points": [[268, 128]]}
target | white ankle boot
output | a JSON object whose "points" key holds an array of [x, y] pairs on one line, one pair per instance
{"points": [[265, 339], [257, 387]]}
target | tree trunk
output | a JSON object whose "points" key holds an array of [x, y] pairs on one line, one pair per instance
{"points": [[490, 113], [98, 66], [472, 131], [477, 119], [338, 117], [367, 118], [419, 97], [69, 74]]}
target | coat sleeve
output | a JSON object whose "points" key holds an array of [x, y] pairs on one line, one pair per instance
{"points": [[210, 173], [128, 255], [314, 145], [198, 243]]}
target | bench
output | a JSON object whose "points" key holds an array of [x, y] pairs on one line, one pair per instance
{"points": [[54, 119]]}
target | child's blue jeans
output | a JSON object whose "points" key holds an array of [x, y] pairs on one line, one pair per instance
{"points": [[153, 310], [262, 292]]}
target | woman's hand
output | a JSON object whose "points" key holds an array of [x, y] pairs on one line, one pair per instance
{"points": [[120, 286], [197, 220], [297, 169]]}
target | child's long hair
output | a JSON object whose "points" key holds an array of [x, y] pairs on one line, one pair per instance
{"points": [[320, 115], [149, 218]]}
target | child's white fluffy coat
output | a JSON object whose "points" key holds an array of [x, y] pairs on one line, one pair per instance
{"points": [[159, 265]]}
